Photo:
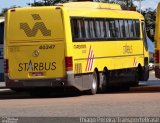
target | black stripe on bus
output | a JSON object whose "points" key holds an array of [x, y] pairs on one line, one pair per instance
{"points": [[110, 57]]}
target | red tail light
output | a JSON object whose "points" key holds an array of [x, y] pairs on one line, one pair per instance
{"points": [[6, 66], [156, 56], [13, 10], [69, 63]]}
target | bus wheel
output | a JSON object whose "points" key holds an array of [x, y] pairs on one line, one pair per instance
{"points": [[146, 73], [143, 73], [136, 79], [105, 80], [94, 84]]}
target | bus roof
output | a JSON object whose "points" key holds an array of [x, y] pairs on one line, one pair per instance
{"points": [[95, 5], [98, 10]]}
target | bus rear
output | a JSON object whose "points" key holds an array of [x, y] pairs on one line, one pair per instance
{"points": [[157, 43], [34, 47]]}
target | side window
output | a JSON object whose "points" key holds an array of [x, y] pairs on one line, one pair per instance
{"points": [[134, 29], [81, 34], [122, 29], [144, 35], [86, 26], [126, 28], [137, 25], [102, 28], [108, 33], [112, 28], [77, 29], [74, 28], [98, 31], [92, 29], [117, 29], [130, 24]]}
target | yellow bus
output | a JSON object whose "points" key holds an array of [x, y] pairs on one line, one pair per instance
{"points": [[85, 45], [157, 44]]}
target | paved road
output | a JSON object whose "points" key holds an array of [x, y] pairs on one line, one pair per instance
{"points": [[122, 103]]}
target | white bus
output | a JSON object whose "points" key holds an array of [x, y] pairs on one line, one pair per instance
{"points": [[1, 49]]}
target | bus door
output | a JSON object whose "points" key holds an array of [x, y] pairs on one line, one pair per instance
{"points": [[144, 38], [145, 51]]}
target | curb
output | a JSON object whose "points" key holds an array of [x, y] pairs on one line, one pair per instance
{"points": [[146, 88]]}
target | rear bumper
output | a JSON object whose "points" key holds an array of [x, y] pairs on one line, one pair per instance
{"points": [[67, 81], [60, 82]]}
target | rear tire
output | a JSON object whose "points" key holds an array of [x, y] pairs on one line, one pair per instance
{"points": [[143, 73], [94, 84], [146, 73], [136, 79], [105, 80]]}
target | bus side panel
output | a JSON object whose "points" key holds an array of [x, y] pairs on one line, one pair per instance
{"points": [[126, 55]]}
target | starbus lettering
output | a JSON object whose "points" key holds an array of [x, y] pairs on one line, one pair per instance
{"points": [[33, 66]]}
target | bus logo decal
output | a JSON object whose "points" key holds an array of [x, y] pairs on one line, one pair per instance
{"points": [[35, 53], [32, 32], [90, 60]]}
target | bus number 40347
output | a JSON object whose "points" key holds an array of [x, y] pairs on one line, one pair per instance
{"points": [[46, 47]]}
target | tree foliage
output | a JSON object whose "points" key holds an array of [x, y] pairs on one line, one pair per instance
{"points": [[47, 2], [126, 3], [150, 18]]}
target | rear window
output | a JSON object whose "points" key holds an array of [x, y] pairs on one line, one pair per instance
{"points": [[1, 32], [32, 25]]}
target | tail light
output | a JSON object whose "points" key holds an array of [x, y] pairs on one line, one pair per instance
{"points": [[156, 56], [6, 66], [68, 63]]}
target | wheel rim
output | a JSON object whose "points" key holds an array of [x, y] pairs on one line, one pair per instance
{"points": [[94, 83]]}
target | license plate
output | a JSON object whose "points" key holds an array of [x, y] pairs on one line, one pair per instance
{"points": [[37, 74]]}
